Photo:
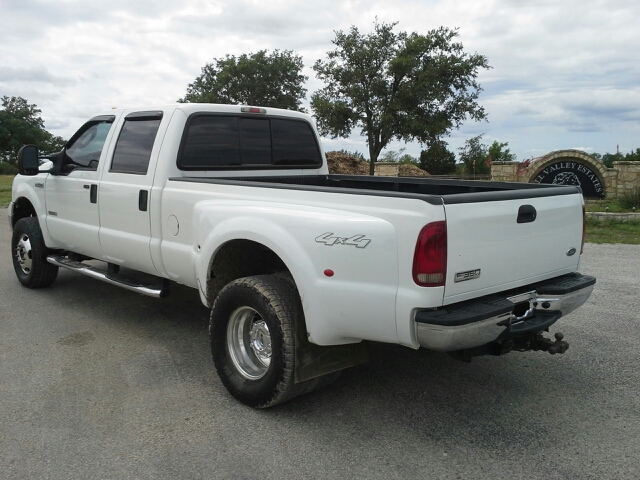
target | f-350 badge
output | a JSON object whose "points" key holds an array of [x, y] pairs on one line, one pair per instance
{"points": [[357, 241]]}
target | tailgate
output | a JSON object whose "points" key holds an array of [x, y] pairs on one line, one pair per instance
{"points": [[489, 251]]}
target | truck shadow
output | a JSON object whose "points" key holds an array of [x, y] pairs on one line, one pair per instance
{"points": [[401, 394]]}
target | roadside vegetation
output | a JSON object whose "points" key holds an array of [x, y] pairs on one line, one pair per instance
{"points": [[5, 190], [613, 231]]}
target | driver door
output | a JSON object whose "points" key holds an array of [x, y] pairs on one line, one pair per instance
{"points": [[71, 196]]}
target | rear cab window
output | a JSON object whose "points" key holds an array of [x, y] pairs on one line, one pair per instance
{"points": [[234, 142]]}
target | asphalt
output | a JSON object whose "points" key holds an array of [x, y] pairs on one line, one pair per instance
{"points": [[97, 382]]}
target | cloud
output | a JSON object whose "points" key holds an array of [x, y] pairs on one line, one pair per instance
{"points": [[36, 74]]}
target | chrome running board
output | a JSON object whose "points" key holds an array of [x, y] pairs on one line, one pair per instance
{"points": [[113, 279]]}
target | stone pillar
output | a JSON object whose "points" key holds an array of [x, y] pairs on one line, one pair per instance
{"points": [[504, 171], [628, 177], [386, 169]]}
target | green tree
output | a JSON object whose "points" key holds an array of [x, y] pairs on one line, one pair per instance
{"points": [[268, 80], [474, 155], [437, 159], [396, 86], [633, 156], [20, 124], [498, 152]]}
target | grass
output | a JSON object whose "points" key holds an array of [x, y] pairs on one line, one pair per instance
{"points": [[609, 231], [613, 231], [5, 190], [613, 206]]}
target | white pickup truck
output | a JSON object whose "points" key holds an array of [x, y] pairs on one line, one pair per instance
{"points": [[300, 268]]}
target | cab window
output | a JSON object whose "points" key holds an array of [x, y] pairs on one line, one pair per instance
{"points": [[86, 146]]}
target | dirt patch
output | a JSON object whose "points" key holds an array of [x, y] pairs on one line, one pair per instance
{"points": [[340, 163]]}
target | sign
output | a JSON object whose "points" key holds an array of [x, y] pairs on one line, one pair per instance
{"points": [[572, 173]]}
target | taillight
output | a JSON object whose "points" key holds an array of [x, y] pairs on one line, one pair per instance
{"points": [[584, 229], [430, 257]]}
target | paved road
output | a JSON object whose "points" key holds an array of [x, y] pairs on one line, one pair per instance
{"points": [[97, 382]]}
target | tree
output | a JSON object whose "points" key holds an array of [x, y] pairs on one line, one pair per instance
{"points": [[20, 124], [474, 155], [268, 80], [498, 152], [437, 159], [402, 86]]}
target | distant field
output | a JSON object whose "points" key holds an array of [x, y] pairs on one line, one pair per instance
{"points": [[5, 190]]}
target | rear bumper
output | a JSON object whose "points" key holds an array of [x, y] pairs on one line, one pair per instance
{"points": [[524, 311]]}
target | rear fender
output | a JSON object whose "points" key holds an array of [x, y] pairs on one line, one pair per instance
{"points": [[356, 302]]}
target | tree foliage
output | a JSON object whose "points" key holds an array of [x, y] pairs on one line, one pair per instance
{"points": [[477, 157], [437, 159], [268, 80], [21, 124], [396, 86]]}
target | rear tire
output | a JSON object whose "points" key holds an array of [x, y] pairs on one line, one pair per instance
{"points": [[252, 332], [29, 252]]}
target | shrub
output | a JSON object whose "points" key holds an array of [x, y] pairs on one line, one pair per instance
{"points": [[8, 169], [630, 199]]}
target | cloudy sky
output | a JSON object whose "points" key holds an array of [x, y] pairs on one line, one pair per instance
{"points": [[566, 74]]}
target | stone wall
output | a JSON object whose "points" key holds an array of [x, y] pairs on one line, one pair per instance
{"points": [[623, 177]]}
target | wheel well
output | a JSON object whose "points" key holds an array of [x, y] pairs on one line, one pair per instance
{"points": [[237, 259], [21, 209]]}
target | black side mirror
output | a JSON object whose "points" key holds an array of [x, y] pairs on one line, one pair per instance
{"points": [[28, 162]]}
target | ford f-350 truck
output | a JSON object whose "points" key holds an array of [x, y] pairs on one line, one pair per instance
{"points": [[299, 267]]}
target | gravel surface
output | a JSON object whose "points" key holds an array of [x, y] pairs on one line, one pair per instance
{"points": [[98, 382]]}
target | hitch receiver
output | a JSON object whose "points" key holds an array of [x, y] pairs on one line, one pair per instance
{"points": [[536, 342]]}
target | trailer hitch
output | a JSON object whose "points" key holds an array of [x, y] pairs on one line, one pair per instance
{"points": [[540, 343], [533, 342]]}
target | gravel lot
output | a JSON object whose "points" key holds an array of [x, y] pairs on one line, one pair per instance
{"points": [[97, 382]]}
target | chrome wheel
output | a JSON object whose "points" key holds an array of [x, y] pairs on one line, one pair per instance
{"points": [[249, 343], [23, 253]]}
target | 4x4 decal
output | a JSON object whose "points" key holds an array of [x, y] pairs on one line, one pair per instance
{"points": [[356, 240]]}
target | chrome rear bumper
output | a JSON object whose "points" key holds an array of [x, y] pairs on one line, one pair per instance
{"points": [[480, 321]]}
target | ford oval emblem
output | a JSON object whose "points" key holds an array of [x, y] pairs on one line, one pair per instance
{"points": [[570, 252]]}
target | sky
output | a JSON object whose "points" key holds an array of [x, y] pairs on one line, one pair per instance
{"points": [[565, 74]]}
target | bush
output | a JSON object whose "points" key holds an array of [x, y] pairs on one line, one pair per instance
{"points": [[630, 199], [8, 169]]}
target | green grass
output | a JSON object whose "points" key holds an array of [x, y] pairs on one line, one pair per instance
{"points": [[613, 231], [5, 190], [613, 206], [609, 231]]}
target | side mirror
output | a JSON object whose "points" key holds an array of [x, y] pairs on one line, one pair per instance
{"points": [[28, 162]]}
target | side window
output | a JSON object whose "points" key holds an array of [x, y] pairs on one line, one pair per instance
{"points": [[135, 142], [85, 150]]}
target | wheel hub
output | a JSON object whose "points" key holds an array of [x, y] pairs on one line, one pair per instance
{"points": [[249, 343], [24, 254]]}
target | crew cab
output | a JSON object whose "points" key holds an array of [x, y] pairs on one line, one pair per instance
{"points": [[301, 268]]}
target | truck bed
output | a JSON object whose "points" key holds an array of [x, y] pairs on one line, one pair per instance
{"points": [[434, 191]]}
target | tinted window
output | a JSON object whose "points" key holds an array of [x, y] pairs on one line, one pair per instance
{"points": [[211, 142], [86, 149], [255, 141], [294, 143], [219, 141], [133, 150]]}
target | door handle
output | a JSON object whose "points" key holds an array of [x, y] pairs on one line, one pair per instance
{"points": [[143, 198], [93, 193]]}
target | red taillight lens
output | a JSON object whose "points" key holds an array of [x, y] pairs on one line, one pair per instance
{"points": [[430, 258], [584, 229]]}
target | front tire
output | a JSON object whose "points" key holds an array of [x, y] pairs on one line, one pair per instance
{"points": [[28, 253], [252, 333]]}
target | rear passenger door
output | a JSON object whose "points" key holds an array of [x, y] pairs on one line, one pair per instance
{"points": [[125, 190]]}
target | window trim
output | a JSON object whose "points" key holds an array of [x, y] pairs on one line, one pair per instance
{"points": [[187, 168]]}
